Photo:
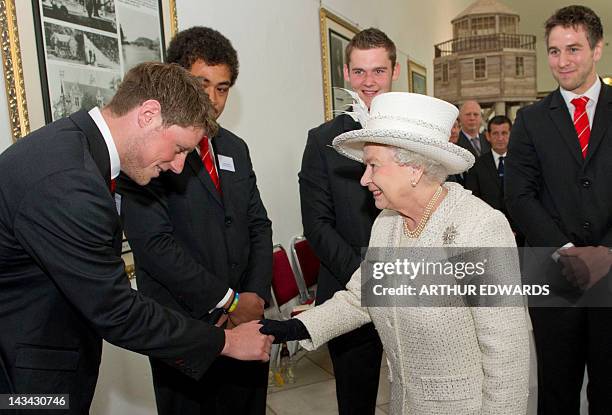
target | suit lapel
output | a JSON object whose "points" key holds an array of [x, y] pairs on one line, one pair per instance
{"points": [[601, 122], [195, 164], [467, 144], [97, 145], [561, 118]]}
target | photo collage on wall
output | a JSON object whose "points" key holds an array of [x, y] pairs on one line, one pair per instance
{"points": [[86, 46]]}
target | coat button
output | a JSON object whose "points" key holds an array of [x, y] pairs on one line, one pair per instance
{"points": [[586, 183], [228, 221], [586, 225]]}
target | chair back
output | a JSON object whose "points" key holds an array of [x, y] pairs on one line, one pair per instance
{"points": [[284, 286], [307, 264]]}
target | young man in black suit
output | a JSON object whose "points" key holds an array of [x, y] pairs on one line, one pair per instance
{"points": [[63, 286], [338, 213], [558, 181], [486, 178], [470, 138], [202, 242]]}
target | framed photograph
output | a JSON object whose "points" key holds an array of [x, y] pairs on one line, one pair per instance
{"points": [[85, 47], [335, 35], [417, 78]]}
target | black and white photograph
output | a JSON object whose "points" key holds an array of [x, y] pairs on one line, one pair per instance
{"points": [[140, 33], [72, 45], [76, 88], [86, 46], [97, 14]]}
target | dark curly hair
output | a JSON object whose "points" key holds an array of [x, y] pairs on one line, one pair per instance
{"points": [[206, 44], [576, 16]]}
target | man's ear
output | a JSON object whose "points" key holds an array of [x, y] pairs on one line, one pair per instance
{"points": [[345, 71], [396, 72], [149, 113], [598, 51]]}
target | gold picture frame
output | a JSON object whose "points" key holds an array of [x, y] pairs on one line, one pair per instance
{"points": [[13, 71], [336, 32], [417, 78], [21, 66]]}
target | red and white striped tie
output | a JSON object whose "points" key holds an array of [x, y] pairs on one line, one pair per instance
{"points": [[581, 123], [208, 162]]}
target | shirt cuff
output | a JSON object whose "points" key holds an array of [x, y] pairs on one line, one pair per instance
{"points": [[224, 300], [555, 255]]}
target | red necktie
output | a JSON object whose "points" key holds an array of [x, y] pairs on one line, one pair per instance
{"points": [[113, 186], [581, 123], [208, 162]]}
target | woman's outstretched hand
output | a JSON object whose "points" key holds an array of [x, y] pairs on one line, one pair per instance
{"points": [[284, 330]]}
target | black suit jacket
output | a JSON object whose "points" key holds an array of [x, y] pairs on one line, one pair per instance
{"points": [[465, 143], [337, 212], [62, 283], [484, 182], [555, 196], [190, 243]]}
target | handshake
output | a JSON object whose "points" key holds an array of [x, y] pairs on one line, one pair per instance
{"points": [[249, 338]]}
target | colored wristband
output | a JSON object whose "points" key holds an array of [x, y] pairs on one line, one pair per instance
{"points": [[234, 304]]}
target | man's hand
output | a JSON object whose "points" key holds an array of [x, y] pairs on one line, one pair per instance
{"points": [[247, 343], [250, 307], [585, 266]]}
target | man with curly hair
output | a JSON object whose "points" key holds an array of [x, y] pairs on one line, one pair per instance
{"points": [[202, 242]]}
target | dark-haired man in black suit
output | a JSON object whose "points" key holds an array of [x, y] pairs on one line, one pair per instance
{"points": [[486, 178], [338, 213], [202, 242], [63, 286], [558, 190]]}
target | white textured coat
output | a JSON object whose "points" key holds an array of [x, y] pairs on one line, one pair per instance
{"points": [[444, 360]]}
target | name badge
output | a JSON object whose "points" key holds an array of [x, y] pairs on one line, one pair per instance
{"points": [[226, 163]]}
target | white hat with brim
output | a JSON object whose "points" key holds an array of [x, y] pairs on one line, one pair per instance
{"points": [[415, 122]]}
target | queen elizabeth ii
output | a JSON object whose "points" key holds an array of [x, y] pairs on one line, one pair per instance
{"points": [[442, 360]]}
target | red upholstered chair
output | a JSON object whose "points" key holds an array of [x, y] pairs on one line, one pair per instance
{"points": [[307, 265], [285, 289]]}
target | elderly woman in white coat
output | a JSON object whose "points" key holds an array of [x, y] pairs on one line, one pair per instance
{"points": [[442, 360]]}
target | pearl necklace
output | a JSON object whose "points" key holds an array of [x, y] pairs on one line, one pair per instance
{"points": [[426, 215]]}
